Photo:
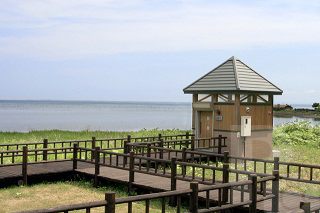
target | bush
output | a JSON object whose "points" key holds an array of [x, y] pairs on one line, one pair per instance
{"points": [[297, 133]]}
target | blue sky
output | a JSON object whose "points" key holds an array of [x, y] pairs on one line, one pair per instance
{"points": [[150, 50]]}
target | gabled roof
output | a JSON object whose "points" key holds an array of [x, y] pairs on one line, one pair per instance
{"points": [[233, 76]]}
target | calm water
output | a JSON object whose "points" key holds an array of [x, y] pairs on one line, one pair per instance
{"points": [[24, 116]]}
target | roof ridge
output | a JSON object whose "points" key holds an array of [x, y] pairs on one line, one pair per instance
{"points": [[235, 70]]}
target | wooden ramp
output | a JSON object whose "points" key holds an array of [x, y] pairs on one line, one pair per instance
{"points": [[289, 202]]}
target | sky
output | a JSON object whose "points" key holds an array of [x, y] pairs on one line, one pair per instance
{"points": [[138, 50]]}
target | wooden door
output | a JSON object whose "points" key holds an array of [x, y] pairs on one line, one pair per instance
{"points": [[205, 128]]}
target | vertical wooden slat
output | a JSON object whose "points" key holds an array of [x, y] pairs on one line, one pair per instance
{"points": [[147, 206], [184, 159], [93, 146], [275, 191], [208, 199], [110, 197], [148, 155], [225, 180], [97, 165], [25, 165], [231, 195], [220, 144], [193, 202], [131, 172], [276, 163], [129, 207], [163, 202], [253, 205], [173, 201], [75, 156], [45, 146], [178, 204], [242, 193]]}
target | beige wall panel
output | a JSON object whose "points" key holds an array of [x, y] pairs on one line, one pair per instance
{"points": [[259, 145]]}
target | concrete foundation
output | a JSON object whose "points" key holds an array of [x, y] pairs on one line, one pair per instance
{"points": [[258, 145]]}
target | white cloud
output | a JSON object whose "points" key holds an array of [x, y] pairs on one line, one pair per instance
{"points": [[77, 29], [312, 92]]}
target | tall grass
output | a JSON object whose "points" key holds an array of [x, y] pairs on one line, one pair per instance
{"points": [[56, 135]]}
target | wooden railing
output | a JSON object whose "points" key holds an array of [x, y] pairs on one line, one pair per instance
{"points": [[174, 199], [15, 157], [213, 142], [307, 208], [158, 167], [298, 172], [103, 143]]}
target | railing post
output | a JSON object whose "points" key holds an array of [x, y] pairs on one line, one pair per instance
{"points": [[184, 159], [225, 180], [97, 165], [125, 151], [226, 157], [193, 202], [148, 155], [220, 144], [192, 143], [45, 146], [275, 191], [128, 141], [305, 206], [131, 172], [276, 163], [75, 156], [93, 146], [253, 194], [25, 165], [159, 136], [110, 197], [173, 201], [187, 135], [161, 150]]}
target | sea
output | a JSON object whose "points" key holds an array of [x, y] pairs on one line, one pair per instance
{"points": [[25, 116]]}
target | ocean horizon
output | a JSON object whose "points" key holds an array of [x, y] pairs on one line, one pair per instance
{"points": [[78, 115]]}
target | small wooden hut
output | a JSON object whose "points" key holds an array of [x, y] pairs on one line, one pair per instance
{"points": [[235, 101]]}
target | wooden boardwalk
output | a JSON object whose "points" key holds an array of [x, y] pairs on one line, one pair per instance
{"points": [[289, 202]]}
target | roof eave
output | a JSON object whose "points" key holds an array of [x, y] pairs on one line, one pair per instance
{"points": [[233, 92]]}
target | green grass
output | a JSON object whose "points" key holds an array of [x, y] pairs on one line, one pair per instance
{"points": [[57, 135], [46, 195]]}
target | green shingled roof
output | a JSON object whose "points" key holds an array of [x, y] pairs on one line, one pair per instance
{"points": [[233, 76]]}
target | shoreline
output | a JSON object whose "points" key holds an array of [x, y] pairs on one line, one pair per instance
{"points": [[296, 114]]}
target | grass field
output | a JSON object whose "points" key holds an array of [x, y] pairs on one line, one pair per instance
{"points": [[61, 193]]}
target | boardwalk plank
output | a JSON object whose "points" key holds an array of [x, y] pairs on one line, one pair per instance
{"points": [[288, 201]]}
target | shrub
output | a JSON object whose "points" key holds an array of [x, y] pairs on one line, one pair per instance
{"points": [[297, 133]]}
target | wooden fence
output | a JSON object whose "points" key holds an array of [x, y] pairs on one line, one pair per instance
{"points": [[174, 198], [158, 157], [103, 143]]}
